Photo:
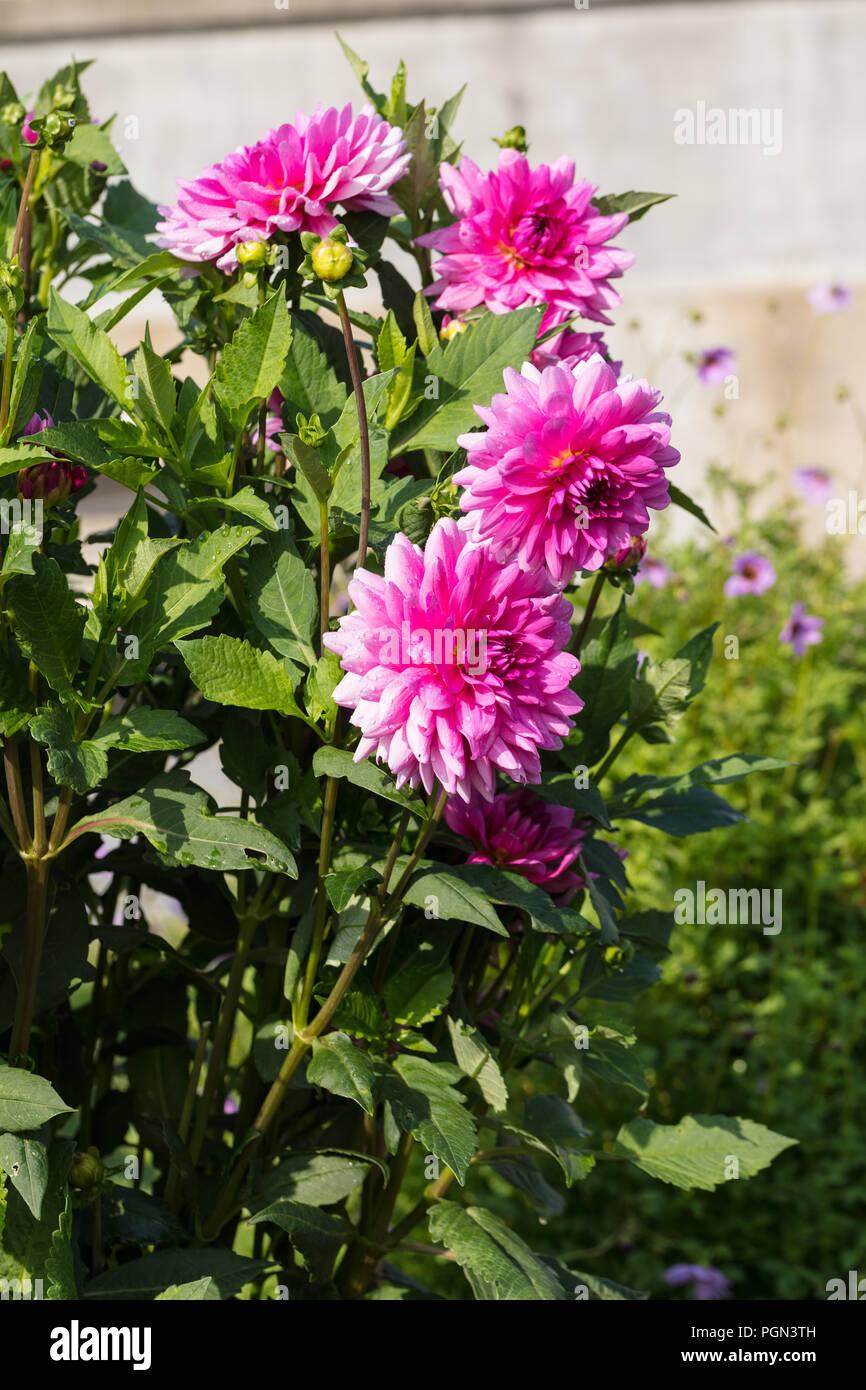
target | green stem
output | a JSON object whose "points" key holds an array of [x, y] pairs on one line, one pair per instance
{"points": [[325, 572], [362, 427], [325, 842], [173, 1178], [590, 609], [37, 902]]}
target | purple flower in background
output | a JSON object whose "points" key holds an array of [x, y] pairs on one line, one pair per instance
{"points": [[752, 574], [830, 299], [801, 630], [709, 1283], [715, 364], [654, 570], [27, 131], [813, 483], [273, 424]]}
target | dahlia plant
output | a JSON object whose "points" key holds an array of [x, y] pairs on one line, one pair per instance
{"points": [[317, 945]]}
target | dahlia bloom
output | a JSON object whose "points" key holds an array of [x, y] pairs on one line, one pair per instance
{"points": [[715, 364], [455, 666], [709, 1283], [830, 299], [526, 236], [524, 833], [288, 182], [568, 349], [813, 483], [54, 479], [567, 467], [802, 630], [752, 574]]}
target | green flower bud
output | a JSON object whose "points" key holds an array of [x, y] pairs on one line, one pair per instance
{"points": [[13, 114], [63, 97], [86, 1170], [57, 129], [513, 139], [311, 431], [331, 260], [252, 254]]}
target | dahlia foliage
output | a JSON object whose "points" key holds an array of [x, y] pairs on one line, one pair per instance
{"points": [[315, 931]]}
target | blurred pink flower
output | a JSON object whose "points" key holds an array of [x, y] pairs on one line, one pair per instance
{"points": [[27, 131], [455, 665], [813, 483], [830, 299], [569, 348], [802, 630], [569, 463], [715, 364], [526, 236], [288, 181], [752, 574], [653, 570], [54, 479]]}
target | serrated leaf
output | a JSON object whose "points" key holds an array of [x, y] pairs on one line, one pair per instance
{"points": [[338, 762], [26, 1100], [426, 1105], [92, 348], [25, 1162], [48, 622], [343, 1069], [145, 1279], [474, 1057], [252, 363], [317, 1180], [416, 994], [469, 372], [635, 204], [178, 819], [697, 1152], [482, 1243], [156, 398], [453, 899], [231, 672], [59, 1263], [282, 598], [197, 1290]]}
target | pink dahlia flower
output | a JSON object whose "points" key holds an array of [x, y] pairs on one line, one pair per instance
{"points": [[526, 236], [27, 132], [568, 349], [455, 665], [288, 181], [752, 574], [567, 467], [524, 833]]}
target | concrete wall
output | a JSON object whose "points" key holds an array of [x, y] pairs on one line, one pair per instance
{"points": [[747, 228]]}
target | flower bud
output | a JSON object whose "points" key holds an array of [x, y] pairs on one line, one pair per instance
{"points": [[252, 254], [86, 1170], [311, 431], [514, 139], [629, 556], [451, 328], [57, 129], [12, 114], [331, 260], [63, 97]]}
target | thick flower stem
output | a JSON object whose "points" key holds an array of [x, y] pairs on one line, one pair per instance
{"points": [[303, 1040], [10, 332], [588, 612], [37, 901], [25, 199], [364, 432], [324, 572], [326, 839]]}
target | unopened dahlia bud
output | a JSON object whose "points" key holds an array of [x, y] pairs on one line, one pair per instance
{"points": [[57, 129], [629, 556], [513, 139], [63, 97], [331, 260], [12, 114], [52, 480], [252, 254], [86, 1170]]}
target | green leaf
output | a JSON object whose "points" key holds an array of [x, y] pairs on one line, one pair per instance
{"points": [[177, 818], [390, 344], [25, 1161], [301, 1220], [92, 348], [343, 885], [614, 1063], [48, 622], [246, 502], [452, 899], [343, 1069], [635, 204], [157, 397], [415, 994], [309, 383], [338, 762], [318, 1179], [426, 1105], [475, 1059], [680, 499], [428, 338], [26, 1100], [231, 672], [468, 372], [147, 731], [252, 363], [483, 1244], [197, 1290], [146, 1279], [90, 142], [60, 1262], [184, 593], [698, 1152], [513, 890]]}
